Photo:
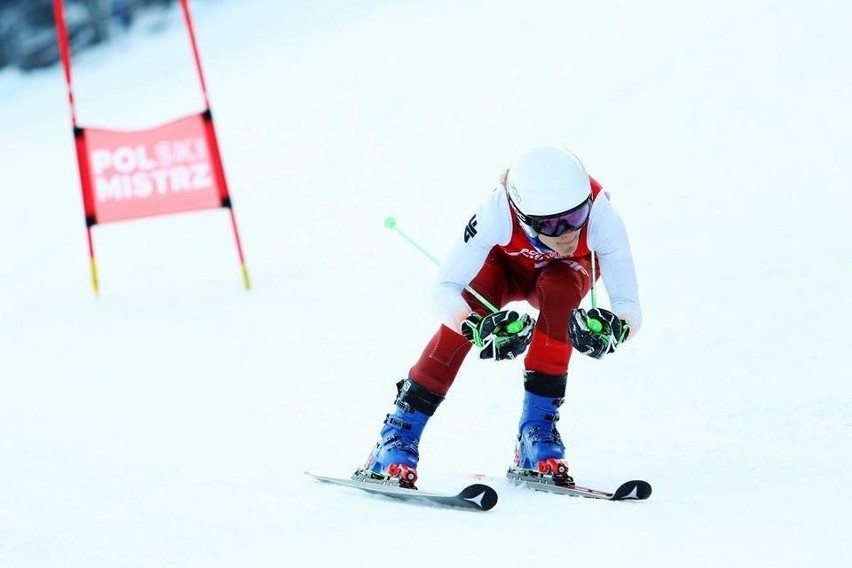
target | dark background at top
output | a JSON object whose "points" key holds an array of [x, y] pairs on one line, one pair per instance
{"points": [[28, 31]]}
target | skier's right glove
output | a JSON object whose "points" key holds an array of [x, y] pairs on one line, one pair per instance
{"points": [[501, 335]]}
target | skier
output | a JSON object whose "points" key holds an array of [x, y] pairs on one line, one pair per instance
{"points": [[533, 239]]}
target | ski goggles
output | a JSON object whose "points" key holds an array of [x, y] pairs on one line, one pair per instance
{"points": [[560, 223]]}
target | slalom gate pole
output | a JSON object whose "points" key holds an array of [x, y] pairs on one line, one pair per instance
{"points": [[65, 56], [212, 139], [187, 17]]}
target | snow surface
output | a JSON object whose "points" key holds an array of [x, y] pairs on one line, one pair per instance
{"points": [[169, 422]]}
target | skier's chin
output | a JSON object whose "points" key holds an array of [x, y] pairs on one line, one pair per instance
{"points": [[563, 246], [566, 249]]}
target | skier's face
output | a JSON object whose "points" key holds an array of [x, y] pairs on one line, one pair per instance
{"points": [[565, 244]]}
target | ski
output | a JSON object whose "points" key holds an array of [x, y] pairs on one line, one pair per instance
{"points": [[476, 497], [634, 490]]}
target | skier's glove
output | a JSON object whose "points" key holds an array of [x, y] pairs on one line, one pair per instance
{"points": [[501, 335], [597, 332]]}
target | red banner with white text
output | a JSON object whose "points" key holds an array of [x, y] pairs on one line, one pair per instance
{"points": [[167, 169]]}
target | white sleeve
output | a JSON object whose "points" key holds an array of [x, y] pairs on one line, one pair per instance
{"points": [[608, 238], [490, 226]]}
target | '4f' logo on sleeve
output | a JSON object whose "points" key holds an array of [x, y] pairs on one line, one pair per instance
{"points": [[470, 230]]}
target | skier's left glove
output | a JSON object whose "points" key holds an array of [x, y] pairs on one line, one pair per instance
{"points": [[501, 335], [597, 332]]}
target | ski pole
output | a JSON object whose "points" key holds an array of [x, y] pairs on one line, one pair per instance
{"points": [[594, 324], [390, 223]]}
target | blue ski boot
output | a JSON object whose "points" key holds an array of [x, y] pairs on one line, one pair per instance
{"points": [[540, 451], [396, 454]]}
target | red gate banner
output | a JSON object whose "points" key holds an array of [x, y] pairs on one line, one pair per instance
{"points": [[163, 170]]}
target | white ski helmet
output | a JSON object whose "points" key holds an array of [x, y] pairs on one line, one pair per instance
{"points": [[547, 180]]}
